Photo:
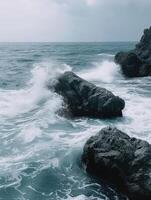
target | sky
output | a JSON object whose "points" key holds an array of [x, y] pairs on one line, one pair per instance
{"points": [[73, 20]]}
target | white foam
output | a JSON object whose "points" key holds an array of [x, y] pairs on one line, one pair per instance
{"points": [[29, 133], [14, 102], [83, 197], [80, 197], [106, 55], [138, 111], [54, 163], [105, 71]]}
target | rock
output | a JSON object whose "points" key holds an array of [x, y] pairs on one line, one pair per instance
{"points": [[137, 62], [130, 63], [113, 156], [85, 99]]}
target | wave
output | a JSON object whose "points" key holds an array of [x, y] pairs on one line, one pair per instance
{"points": [[105, 71], [14, 102], [106, 55]]}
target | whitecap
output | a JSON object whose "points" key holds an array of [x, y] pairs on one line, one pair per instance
{"points": [[29, 133], [14, 102], [106, 55], [105, 71]]}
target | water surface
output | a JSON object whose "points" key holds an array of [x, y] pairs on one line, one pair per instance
{"points": [[39, 150]]}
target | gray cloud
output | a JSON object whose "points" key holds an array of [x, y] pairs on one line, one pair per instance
{"points": [[73, 20]]}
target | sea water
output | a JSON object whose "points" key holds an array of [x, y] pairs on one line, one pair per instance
{"points": [[40, 151]]}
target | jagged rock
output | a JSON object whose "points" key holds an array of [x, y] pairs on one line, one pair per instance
{"points": [[137, 62], [126, 162], [85, 99]]}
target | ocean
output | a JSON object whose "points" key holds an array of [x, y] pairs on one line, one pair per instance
{"points": [[40, 151]]}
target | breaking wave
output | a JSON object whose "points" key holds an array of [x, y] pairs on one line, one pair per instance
{"points": [[105, 71], [14, 102]]}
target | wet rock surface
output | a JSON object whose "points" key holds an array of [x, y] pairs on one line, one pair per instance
{"points": [[126, 162], [137, 63], [85, 99]]}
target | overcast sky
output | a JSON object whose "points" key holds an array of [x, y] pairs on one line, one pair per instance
{"points": [[73, 20]]}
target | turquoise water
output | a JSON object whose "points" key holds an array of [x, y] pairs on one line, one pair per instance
{"points": [[39, 150]]}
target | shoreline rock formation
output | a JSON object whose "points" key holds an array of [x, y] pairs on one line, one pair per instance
{"points": [[85, 99], [124, 161], [137, 63]]}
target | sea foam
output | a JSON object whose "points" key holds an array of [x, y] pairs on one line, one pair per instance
{"points": [[105, 71], [14, 102]]}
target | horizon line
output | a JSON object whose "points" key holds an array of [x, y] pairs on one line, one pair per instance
{"points": [[66, 41]]}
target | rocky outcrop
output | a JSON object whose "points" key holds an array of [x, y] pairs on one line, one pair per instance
{"points": [[138, 61], [85, 99], [126, 162]]}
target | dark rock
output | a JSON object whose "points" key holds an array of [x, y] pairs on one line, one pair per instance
{"points": [[138, 61], [126, 162], [130, 63], [85, 99]]}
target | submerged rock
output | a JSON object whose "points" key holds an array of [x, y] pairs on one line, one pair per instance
{"points": [[85, 99], [137, 62], [126, 162]]}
